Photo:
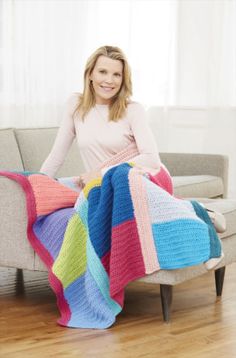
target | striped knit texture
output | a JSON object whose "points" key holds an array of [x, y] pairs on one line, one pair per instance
{"points": [[116, 230]]}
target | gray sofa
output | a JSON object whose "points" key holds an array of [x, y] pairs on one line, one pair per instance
{"points": [[200, 176]]}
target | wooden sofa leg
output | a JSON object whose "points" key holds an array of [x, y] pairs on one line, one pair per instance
{"points": [[19, 275], [166, 300], [20, 282], [219, 280]]}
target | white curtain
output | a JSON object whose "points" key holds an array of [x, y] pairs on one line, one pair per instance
{"points": [[45, 44], [206, 56], [182, 53]]}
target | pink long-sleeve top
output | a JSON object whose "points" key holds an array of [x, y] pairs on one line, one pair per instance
{"points": [[99, 139]]}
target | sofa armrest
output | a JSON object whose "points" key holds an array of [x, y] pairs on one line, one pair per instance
{"points": [[185, 164], [15, 250]]}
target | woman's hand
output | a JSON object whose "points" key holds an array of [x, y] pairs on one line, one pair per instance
{"points": [[84, 178]]}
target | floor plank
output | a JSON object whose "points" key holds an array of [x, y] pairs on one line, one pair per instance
{"points": [[202, 326]]}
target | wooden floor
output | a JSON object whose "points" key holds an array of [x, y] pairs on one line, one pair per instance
{"points": [[201, 326]]}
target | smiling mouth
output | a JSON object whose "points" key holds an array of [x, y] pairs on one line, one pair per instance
{"points": [[108, 89]]}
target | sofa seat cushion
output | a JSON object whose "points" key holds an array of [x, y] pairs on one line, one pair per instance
{"points": [[10, 158], [224, 206], [173, 277], [206, 186]]}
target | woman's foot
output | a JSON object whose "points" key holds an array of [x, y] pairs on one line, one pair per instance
{"points": [[218, 220]]}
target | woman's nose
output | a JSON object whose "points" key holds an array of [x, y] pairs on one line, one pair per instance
{"points": [[109, 78]]}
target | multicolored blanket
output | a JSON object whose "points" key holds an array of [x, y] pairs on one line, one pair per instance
{"points": [[116, 230]]}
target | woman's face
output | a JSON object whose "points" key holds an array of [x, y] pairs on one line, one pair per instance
{"points": [[106, 77]]}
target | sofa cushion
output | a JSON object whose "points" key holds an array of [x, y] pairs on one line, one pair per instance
{"points": [[207, 186], [35, 145], [10, 158]]}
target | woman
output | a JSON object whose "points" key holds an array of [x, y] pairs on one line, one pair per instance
{"points": [[105, 121]]}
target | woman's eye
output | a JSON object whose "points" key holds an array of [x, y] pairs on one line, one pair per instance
{"points": [[102, 71], [117, 74]]}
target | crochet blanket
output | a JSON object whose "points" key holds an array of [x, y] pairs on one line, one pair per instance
{"points": [[116, 230]]}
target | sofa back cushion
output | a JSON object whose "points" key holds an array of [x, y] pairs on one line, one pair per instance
{"points": [[10, 158], [35, 145]]}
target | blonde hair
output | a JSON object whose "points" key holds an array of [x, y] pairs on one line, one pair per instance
{"points": [[119, 102]]}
